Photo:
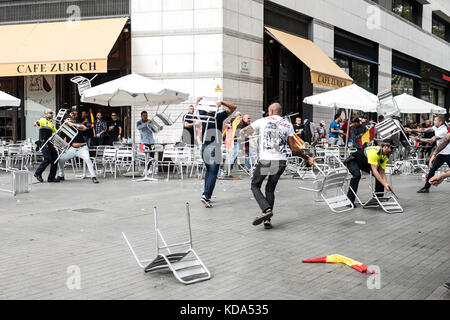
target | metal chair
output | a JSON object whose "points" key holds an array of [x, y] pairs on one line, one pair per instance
{"points": [[59, 142], [165, 118], [20, 181], [185, 265], [125, 159], [386, 201], [109, 158], [331, 190]]}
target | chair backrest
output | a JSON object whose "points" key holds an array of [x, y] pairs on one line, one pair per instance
{"points": [[334, 179], [69, 131], [125, 153], [58, 142], [14, 149], [386, 104], [110, 153], [60, 116], [389, 128], [154, 126]]}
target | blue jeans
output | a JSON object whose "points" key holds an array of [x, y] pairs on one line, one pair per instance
{"points": [[212, 157]]}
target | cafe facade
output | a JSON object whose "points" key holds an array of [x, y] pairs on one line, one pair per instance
{"points": [[249, 52]]}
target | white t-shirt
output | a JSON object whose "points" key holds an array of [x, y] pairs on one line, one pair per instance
{"points": [[440, 134], [274, 132]]}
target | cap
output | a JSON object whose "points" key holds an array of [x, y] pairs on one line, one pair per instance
{"points": [[322, 122], [389, 143]]}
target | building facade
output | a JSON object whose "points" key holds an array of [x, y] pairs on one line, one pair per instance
{"points": [[255, 52]]}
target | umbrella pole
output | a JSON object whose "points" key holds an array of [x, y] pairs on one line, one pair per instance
{"points": [[348, 130]]}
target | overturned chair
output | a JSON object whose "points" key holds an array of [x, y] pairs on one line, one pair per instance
{"points": [[185, 265], [386, 201], [330, 189]]}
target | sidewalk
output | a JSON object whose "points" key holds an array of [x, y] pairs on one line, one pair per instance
{"points": [[44, 233]]}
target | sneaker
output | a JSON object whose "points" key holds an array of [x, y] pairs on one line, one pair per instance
{"points": [[267, 225], [94, 180], [265, 216], [53, 180], [206, 202], [38, 177], [447, 285], [424, 190], [60, 178]]}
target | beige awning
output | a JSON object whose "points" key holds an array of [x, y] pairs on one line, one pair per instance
{"points": [[323, 70], [68, 47]]}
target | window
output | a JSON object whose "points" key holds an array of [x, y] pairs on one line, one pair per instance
{"points": [[437, 96], [411, 10], [363, 73], [441, 28], [402, 84]]}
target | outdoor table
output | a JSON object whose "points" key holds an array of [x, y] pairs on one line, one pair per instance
{"points": [[147, 156]]}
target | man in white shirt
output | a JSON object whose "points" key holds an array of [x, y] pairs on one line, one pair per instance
{"points": [[276, 136], [440, 130]]}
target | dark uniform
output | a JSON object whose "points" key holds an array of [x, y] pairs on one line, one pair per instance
{"points": [[46, 130], [362, 160]]}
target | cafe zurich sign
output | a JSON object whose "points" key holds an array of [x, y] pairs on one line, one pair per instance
{"points": [[62, 67]]}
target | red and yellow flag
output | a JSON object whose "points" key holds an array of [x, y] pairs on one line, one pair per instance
{"points": [[369, 136], [92, 116], [230, 132], [337, 258], [299, 142]]}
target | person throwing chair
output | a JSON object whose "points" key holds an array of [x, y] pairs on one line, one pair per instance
{"points": [[78, 148], [277, 135]]}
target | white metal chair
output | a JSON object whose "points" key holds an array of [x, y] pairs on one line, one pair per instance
{"points": [[109, 158], [58, 139], [331, 190], [185, 265], [125, 159], [20, 182]]}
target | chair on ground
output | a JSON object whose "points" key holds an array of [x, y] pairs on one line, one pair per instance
{"points": [[185, 265], [385, 200]]}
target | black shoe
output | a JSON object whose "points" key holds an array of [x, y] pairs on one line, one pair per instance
{"points": [[53, 180], [38, 177], [94, 180], [60, 178], [447, 285], [206, 202], [424, 190], [265, 216], [267, 225]]}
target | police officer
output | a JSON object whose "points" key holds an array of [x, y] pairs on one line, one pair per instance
{"points": [[370, 159], [46, 129]]}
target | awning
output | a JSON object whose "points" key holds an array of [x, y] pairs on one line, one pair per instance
{"points": [[68, 47], [323, 70]]}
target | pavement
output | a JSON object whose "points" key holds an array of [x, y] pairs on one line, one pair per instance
{"points": [[64, 241]]}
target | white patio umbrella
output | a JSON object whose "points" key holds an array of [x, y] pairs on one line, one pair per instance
{"points": [[133, 90], [409, 104], [7, 100], [352, 97]]}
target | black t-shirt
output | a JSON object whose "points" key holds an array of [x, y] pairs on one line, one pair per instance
{"points": [[114, 133], [241, 125], [189, 135], [220, 118]]}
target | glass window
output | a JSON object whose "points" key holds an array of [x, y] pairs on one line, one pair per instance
{"points": [[406, 9], [361, 74], [441, 98], [441, 28], [402, 84], [344, 63]]}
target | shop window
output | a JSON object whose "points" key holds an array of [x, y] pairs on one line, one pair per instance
{"points": [[402, 84], [441, 28], [437, 97], [408, 9], [363, 74]]}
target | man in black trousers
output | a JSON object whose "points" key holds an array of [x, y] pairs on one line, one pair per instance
{"points": [[46, 130]]}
